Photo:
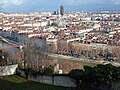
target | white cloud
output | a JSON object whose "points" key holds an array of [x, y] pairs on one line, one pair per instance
{"points": [[80, 2], [11, 2], [4, 3], [116, 1], [76, 2], [17, 2]]}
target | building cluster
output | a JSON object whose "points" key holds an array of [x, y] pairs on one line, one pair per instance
{"points": [[63, 33], [99, 28]]}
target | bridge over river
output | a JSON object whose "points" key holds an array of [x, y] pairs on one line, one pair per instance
{"points": [[8, 43], [11, 46]]}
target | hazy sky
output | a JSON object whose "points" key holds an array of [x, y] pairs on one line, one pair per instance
{"points": [[52, 5]]}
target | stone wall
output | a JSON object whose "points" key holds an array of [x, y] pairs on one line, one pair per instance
{"points": [[8, 70], [57, 80]]}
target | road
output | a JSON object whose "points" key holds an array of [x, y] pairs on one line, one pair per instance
{"points": [[70, 58]]}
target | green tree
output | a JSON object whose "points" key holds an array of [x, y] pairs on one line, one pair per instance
{"points": [[78, 75], [48, 70], [93, 77]]}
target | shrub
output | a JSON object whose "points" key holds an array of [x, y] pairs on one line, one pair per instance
{"points": [[49, 70]]}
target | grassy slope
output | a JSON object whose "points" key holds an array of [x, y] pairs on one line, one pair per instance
{"points": [[17, 83]]}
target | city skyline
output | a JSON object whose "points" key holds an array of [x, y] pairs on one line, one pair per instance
{"points": [[52, 5]]}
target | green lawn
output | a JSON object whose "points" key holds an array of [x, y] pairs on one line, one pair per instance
{"points": [[17, 83]]}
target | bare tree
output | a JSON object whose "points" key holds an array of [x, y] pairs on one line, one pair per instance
{"points": [[52, 48], [116, 53], [62, 47], [32, 55], [3, 57]]}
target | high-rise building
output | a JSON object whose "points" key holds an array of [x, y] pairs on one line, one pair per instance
{"points": [[55, 13], [61, 10]]}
